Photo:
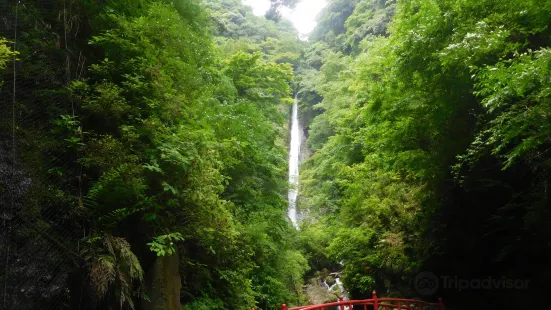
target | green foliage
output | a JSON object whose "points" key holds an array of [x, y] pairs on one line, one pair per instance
{"points": [[414, 123], [169, 119], [369, 20], [6, 53], [172, 139], [69, 126], [113, 267], [206, 303], [331, 24], [237, 29], [164, 244], [273, 13], [516, 92]]}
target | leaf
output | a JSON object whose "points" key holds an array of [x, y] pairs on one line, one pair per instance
{"points": [[168, 187]]}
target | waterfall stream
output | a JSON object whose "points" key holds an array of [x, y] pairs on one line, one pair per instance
{"points": [[294, 153], [294, 161]]}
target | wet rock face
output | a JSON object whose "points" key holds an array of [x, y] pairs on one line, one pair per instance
{"points": [[305, 152], [30, 267], [323, 287], [319, 294], [14, 184]]}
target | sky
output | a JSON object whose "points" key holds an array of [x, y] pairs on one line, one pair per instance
{"points": [[303, 16]]}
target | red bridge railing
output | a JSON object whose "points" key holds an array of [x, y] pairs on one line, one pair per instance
{"points": [[375, 304]]}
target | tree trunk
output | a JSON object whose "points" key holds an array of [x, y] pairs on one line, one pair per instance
{"points": [[163, 284]]}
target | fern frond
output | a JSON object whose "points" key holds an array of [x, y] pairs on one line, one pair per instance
{"points": [[102, 274], [112, 263]]}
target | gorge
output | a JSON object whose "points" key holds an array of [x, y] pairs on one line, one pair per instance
{"points": [[190, 153]]}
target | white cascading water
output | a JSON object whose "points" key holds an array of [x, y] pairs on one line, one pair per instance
{"points": [[338, 283], [293, 165], [294, 160]]}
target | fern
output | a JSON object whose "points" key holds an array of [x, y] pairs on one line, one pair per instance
{"points": [[112, 267], [116, 216]]}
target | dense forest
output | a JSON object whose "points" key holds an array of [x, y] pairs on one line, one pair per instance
{"points": [[430, 127], [147, 128], [144, 152]]}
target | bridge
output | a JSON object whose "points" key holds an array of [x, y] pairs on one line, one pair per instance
{"points": [[374, 303]]}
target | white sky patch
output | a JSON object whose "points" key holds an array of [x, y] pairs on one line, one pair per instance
{"points": [[303, 16], [259, 6]]}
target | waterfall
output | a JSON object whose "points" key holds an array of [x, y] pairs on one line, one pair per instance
{"points": [[293, 165], [339, 284]]}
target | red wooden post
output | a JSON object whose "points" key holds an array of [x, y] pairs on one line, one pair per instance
{"points": [[340, 300], [284, 307], [419, 306], [375, 302], [441, 304], [408, 306], [399, 306]]}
